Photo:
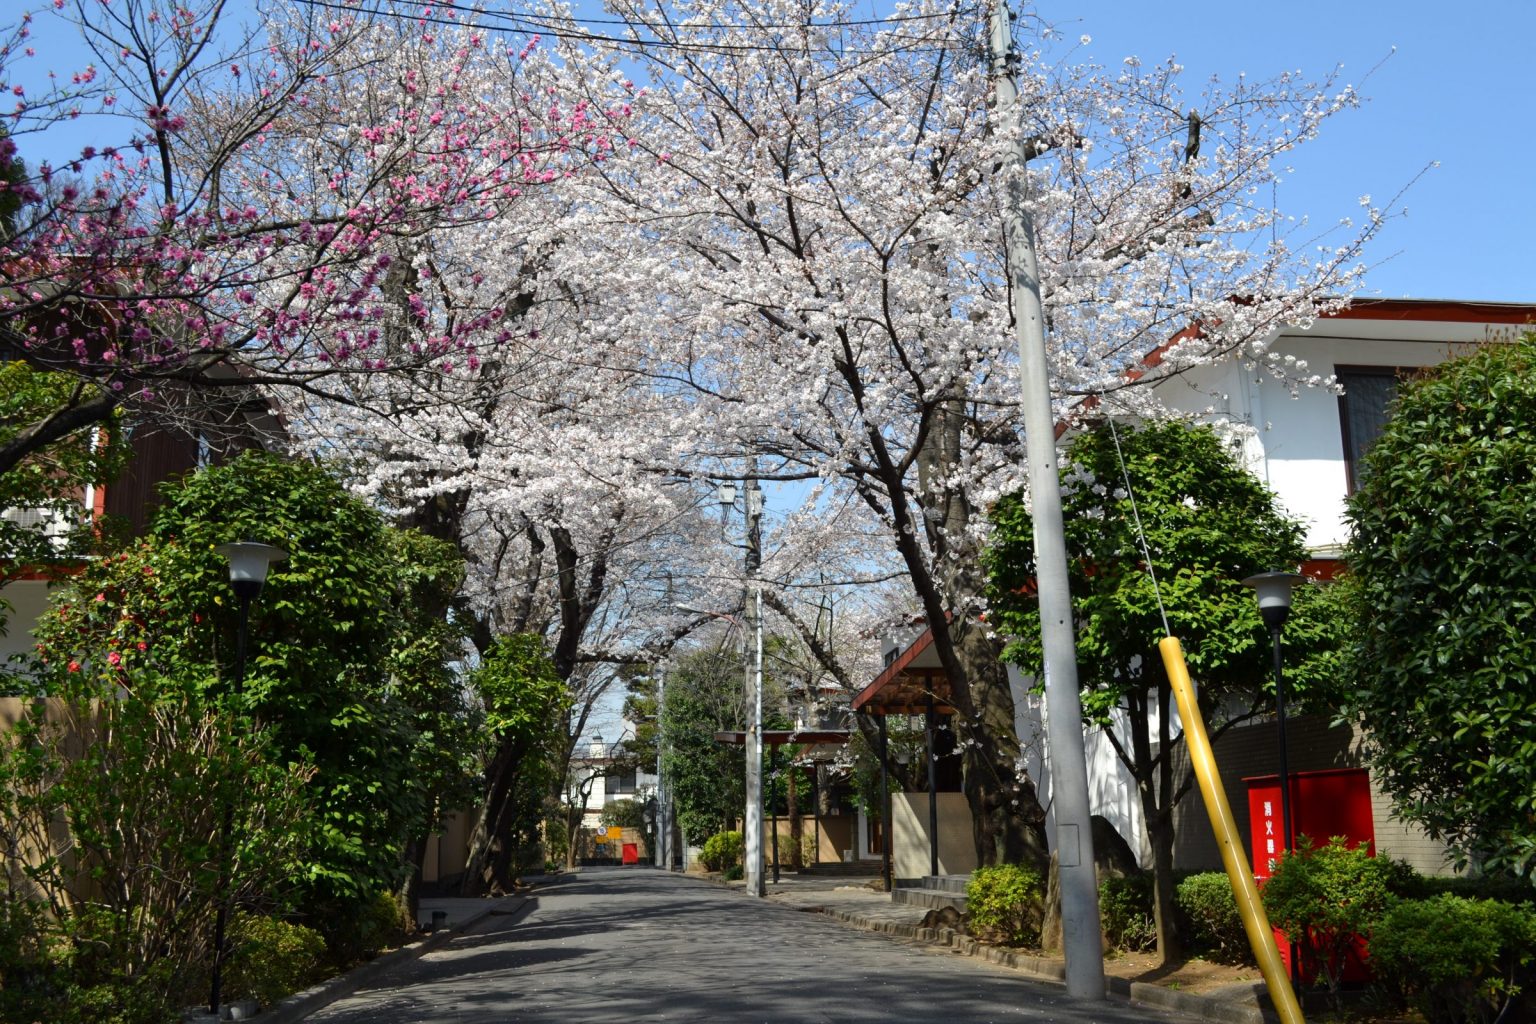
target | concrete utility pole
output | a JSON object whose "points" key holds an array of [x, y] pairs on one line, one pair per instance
{"points": [[663, 817], [753, 495], [1063, 705]]}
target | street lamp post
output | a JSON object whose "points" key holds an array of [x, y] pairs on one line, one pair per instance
{"points": [[248, 565], [1273, 590]]}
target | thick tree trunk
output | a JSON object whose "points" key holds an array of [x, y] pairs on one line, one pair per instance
{"points": [[1007, 820], [484, 841]]}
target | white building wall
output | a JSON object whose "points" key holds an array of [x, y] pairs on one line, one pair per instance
{"points": [[1291, 433]]}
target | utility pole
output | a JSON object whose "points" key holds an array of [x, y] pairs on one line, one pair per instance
{"points": [[753, 495], [663, 817], [1063, 705]]}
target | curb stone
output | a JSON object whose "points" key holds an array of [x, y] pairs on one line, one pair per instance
{"points": [[300, 1005], [1219, 1011]]}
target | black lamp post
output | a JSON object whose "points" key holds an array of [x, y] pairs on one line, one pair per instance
{"points": [[1273, 590], [1274, 593], [248, 565]]}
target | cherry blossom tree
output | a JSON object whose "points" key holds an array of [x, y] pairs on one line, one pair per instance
{"points": [[803, 256], [237, 225]]}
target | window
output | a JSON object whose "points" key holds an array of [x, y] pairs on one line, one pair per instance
{"points": [[614, 785], [1363, 411]]}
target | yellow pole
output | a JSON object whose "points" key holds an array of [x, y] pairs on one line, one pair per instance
{"points": [[1255, 922]]}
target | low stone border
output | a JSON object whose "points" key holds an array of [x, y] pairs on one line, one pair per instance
{"points": [[1220, 1011], [301, 1004]]}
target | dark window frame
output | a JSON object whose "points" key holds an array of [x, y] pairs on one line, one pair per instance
{"points": [[1398, 374], [620, 783]]}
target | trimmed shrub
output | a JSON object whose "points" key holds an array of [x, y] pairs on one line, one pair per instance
{"points": [[1209, 908], [1006, 903], [1324, 899], [1125, 909], [1211, 917], [722, 851], [271, 958], [1455, 960]]}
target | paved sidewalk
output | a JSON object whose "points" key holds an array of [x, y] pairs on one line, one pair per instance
{"points": [[457, 911]]}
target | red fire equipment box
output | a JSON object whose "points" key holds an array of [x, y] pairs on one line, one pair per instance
{"points": [[1324, 804]]}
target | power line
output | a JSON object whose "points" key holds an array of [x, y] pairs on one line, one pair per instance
{"points": [[533, 25], [572, 19]]}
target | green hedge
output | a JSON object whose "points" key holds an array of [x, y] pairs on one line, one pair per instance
{"points": [[1455, 960], [270, 958], [1006, 903], [1213, 925], [1125, 910], [722, 851]]}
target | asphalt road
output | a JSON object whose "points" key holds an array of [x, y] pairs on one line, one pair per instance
{"points": [[620, 945]]}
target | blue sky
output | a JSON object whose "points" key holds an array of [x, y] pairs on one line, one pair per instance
{"points": [[1459, 90]]}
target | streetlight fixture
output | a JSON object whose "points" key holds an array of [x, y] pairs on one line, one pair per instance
{"points": [[248, 565], [1273, 590]]}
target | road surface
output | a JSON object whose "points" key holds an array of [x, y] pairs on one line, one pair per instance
{"points": [[622, 945]]}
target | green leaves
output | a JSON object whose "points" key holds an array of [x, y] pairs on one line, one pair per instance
{"points": [[1442, 670], [1324, 898], [1208, 524], [347, 663]]}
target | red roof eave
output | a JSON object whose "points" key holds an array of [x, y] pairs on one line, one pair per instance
{"points": [[894, 669]]}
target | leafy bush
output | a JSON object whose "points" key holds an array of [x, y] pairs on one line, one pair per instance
{"points": [[364, 929], [1215, 926], [1507, 888], [70, 971], [1457, 961], [1324, 898], [1006, 903], [1125, 908], [141, 789], [734, 873], [722, 851], [270, 958]]}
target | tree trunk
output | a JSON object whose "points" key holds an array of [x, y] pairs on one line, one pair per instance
{"points": [[1007, 819], [1170, 946], [414, 854], [484, 842], [1154, 787]]}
